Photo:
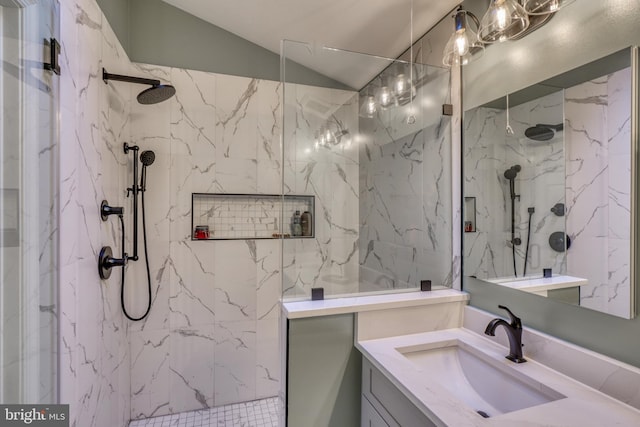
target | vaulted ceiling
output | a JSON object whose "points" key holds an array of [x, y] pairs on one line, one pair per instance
{"points": [[377, 27]]}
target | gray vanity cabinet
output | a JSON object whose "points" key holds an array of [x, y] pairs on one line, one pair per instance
{"points": [[384, 405]]}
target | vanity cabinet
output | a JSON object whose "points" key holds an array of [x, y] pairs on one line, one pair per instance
{"points": [[384, 405]]}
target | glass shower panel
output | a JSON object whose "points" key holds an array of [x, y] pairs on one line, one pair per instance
{"points": [[28, 203], [367, 138]]}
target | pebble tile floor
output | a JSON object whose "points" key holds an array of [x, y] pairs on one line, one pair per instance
{"points": [[259, 413]]}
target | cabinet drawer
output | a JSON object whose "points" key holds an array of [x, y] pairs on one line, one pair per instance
{"points": [[371, 417], [394, 407]]}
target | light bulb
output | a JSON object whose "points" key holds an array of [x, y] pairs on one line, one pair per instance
{"points": [[385, 97], [329, 137], [401, 84], [503, 18], [463, 44], [369, 107]]}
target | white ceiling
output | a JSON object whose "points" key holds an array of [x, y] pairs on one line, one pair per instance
{"points": [[377, 27]]}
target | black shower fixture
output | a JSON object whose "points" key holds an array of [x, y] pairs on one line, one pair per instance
{"points": [[541, 132], [511, 174], [153, 95], [147, 158]]}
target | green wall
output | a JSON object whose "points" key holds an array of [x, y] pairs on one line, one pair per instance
{"points": [[154, 32], [324, 373], [583, 32], [117, 12]]}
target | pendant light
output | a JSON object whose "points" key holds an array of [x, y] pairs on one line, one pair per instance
{"points": [[463, 45], [544, 7], [504, 20], [384, 97], [369, 107]]}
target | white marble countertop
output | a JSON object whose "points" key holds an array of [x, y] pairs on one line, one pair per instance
{"points": [[356, 304], [538, 284], [582, 406]]}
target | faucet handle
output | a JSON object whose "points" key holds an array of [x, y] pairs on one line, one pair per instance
{"points": [[515, 320]]}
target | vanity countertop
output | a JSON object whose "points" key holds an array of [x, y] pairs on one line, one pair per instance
{"points": [[582, 406]]}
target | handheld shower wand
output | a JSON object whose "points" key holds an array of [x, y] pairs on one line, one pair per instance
{"points": [[146, 158], [511, 174]]}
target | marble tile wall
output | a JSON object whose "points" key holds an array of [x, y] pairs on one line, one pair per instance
{"points": [[488, 153], [211, 337], [406, 201], [598, 159], [594, 156], [94, 122], [330, 173]]}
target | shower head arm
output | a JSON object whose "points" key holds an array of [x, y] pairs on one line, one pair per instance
{"points": [[129, 79]]}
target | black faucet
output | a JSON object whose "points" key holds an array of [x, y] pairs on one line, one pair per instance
{"points": [[514, 332]]}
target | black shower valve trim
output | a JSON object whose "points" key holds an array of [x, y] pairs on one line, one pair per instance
{"points": [[106, 210]]}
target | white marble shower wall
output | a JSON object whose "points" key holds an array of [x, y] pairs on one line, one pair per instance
{"points": [[94, 122], [330, 173], [212, 335], [488, 153], [598, 158], [405, 192]]}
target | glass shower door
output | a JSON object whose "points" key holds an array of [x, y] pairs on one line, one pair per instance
{"points": [[28, 201]]}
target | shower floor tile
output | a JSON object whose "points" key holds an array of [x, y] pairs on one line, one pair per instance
{"points": [[259, 413]]}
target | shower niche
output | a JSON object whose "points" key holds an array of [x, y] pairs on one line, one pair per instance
{"points": [[222, 216]]}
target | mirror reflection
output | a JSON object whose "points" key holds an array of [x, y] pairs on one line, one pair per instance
{"points": [[547, 188]]}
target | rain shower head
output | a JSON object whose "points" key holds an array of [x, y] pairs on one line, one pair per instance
{"points": [[153, 95], [512, 172], [541, 132]]}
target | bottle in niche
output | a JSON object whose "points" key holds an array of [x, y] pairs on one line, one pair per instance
{"points": [[305, 223], [296, 229]]}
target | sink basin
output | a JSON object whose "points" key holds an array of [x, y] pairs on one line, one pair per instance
{"points": [[486, 385]]}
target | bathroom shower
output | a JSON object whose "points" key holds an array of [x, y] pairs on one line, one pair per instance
{"points": [[153, 95]]}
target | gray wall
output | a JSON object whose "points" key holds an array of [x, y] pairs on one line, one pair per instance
{"points": [[154, 32], [583, 32]]}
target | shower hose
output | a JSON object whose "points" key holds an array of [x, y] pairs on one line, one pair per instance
{"points": [[146, 256]]}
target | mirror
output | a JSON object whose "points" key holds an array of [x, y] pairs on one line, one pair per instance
{"points": [[554, 196]]}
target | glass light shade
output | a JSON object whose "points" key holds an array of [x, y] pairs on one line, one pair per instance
{"points": [[404, 89], [401, 85], [544, 7], [504, 20], [369, 107], [384, 97], [463, 45]]}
